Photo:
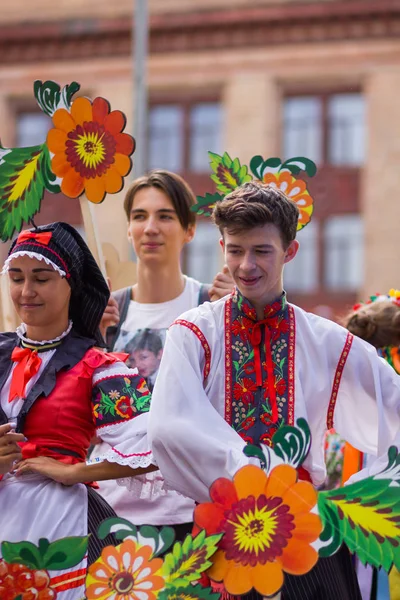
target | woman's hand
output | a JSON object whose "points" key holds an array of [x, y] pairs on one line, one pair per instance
{"points": [[222, 285], [9, 449], [48, 467]]}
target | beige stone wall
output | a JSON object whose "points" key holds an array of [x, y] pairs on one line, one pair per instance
{"points": [[51, 10], [381, 196]]}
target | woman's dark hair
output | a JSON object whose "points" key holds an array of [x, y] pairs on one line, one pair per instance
{"points": [[146, 339], [176, 188], [377, 323], [254, 204]]}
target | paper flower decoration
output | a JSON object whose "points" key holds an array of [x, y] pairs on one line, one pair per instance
{"points": [[127, 571], [267, 525], [91, 152], [86, 152], [228, 174]]}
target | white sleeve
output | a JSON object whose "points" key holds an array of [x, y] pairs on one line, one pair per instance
{"points": [[120, 405], [367, 412], [192, 443]]}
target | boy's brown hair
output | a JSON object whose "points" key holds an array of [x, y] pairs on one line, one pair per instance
{"points": [[176, 188], [255, 204]]}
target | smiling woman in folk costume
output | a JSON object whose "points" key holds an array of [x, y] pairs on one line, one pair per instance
{"points": [[57, 391]]}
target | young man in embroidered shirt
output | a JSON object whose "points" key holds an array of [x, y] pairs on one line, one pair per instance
{"points": [[243, 366]]}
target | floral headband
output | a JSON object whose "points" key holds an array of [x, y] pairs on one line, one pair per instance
{"points": [[393, 295], [229, 174]]}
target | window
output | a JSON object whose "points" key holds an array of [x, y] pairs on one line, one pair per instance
{"points": [[165, 137], [346, 113], [32, 128], [301, 274], [327, 128], [180, 135], [205, 135], [203, 254], [344, 262], [302, 130]]}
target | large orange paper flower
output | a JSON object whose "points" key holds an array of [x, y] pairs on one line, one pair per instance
{"points": [[91, 154], [125, 572], [295, 190], [267, 528]]}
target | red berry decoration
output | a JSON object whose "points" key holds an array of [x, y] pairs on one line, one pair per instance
{"points": [[19, 580]]}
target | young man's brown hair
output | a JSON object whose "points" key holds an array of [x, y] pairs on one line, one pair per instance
{"points": [[173, 186], [255, 204]]}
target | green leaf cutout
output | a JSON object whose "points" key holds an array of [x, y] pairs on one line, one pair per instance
{"points": [[25, 174], [258, 165], [228, 174], [300, 163], [364, 515], [292, 444], [188, 592], [24, 553], [205, 204], [187, 560], [65, 553], [121, 528], [49, 95], [256, 452]]}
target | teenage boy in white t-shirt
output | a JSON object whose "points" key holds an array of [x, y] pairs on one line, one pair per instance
{"points": [[160, 224]]}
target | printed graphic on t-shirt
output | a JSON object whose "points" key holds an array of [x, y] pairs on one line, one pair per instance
{"points": [[145, 349]]}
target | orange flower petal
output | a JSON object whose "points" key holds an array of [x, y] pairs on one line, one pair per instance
{"points": [[100, 109], [59, 165], [100, 571], [303, 201], [115, 122], [267, 579], [56, 140], [208, 516], [295, 188], [62, 120], [308, 527], [114, 181], [81, 110], [95, 189], [125, 144], [301, 497], [123, 164], [97, 591], [250, 481], [280, 480], [298, 557], [237, 579], [72, 184], [223, 492], [220, 566]]}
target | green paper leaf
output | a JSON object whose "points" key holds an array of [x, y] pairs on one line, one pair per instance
{"points": [[189, 559], [25, 174], [292, 444], [50, 97], [299, 163], [228, 174], [258, 165], [65, 553], [121, 528], [206, 204], [188, 592], [24, 553], [255, 452]]}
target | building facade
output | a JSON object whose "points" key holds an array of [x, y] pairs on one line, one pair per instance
{"points": [[283, 78]]}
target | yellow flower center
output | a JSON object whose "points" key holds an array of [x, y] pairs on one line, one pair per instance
{"points": [[254, 530], [90, 149]]}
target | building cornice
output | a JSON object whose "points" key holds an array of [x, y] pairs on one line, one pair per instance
{"points": [[216, 30]]}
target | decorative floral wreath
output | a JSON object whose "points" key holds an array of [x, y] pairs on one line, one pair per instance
{"points": [[229, 174]]}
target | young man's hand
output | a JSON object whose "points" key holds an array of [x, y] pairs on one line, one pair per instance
{"points": [[110, 316], [9, 449], [222, 285]]}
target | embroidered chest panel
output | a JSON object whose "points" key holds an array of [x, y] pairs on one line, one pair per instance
{"points": [[259, 367]]}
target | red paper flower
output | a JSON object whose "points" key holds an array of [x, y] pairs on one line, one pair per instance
{"points": [[267, 526]]}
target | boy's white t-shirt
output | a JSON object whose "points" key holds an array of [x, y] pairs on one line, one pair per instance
{"points": [[143, 500]]}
